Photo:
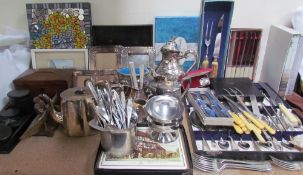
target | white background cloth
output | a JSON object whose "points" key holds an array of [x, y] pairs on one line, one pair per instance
{"points": [[14, 60]]}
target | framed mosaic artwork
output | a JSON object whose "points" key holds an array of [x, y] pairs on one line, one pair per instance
{"points": [[59, 25]]}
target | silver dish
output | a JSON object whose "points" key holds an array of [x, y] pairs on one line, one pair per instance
{"points": [[164, 109]]}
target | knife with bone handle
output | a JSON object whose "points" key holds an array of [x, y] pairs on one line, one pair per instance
{"points": [[290, 116], [259, 123], [240, 113]]}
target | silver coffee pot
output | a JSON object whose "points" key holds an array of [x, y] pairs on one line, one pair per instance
{"points": [[169, 66]]}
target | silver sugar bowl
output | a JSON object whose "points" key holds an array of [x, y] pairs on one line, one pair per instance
{"points": [[164, 117]]}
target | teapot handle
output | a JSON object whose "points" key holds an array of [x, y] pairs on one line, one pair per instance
{"points": [[192, 52]]}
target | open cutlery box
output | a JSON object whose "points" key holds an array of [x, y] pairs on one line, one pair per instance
{"points": [[243, 52], [215, 26], [212, 134]]}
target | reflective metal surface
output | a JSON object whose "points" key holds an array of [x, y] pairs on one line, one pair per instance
{"points": [[164, 109], [115, 141], [170, 67], [75, 111]]}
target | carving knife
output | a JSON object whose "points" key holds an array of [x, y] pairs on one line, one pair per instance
{"points": [[218, 37]]}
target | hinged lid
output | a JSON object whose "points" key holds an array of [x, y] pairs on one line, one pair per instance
{"points": [[170, 46], [74, 94]]}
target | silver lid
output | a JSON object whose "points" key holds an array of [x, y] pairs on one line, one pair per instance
{"points": [[170, 46]]}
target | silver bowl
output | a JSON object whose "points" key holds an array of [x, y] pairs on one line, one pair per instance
{"points": [[164, 109], [164, 117]]}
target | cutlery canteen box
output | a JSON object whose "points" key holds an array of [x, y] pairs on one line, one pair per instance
{"points": [[215, 20], [45, 81]]}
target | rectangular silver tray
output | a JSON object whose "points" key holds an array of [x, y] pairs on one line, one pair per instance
{"points": [[208, 121]]}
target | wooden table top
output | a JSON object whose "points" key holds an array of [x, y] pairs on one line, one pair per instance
{"points": [[74, 155]]}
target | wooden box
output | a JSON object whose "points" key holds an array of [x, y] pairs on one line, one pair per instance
{"points": [[47, 81]]}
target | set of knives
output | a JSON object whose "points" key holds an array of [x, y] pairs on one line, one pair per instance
{"points": [[262, 120], [242, 52]]}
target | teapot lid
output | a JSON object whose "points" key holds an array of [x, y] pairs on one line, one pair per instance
{"points": [[170, 46], [75, 94]]}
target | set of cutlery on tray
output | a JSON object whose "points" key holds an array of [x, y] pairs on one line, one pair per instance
{"points": [[263, 125]]}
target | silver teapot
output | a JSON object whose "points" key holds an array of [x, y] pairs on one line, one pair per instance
{"points": [[77, 109], [169, 66]]}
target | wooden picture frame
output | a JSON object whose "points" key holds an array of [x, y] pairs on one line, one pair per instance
{"points": [[60, 58], [105, 58]]}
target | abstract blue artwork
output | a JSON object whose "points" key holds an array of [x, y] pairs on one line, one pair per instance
{"points": [[185, 27], [167, 27]]}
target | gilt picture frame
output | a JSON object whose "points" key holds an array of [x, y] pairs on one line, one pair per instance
{"points": [[105, 57]]}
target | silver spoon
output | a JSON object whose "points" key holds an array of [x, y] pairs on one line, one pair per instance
{"points": [[213, 143], [287, 144], [233, 144], [223, 144], [243, 145], [266, 144]]}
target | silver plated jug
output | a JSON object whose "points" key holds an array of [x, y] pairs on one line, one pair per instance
{"points": [[169, 66]]}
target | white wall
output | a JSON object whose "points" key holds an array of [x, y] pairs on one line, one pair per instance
{"points": [[247, 13]]}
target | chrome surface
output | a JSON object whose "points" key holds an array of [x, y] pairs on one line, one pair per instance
{"points": [[289, 165], [116, 141], [223, 144], [169, 66], [164, 109], [75, 111], [104, 51], [243, 145], [218, 165]]}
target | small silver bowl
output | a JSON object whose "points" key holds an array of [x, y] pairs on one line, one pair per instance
{"points": [[164, 117], [165, 109]]}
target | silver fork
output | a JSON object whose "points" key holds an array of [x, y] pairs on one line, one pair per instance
{"points": [[207, 39], [289, 165], [200, 157], [218, 165]]}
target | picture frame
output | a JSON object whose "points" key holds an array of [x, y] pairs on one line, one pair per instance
{"points": [[60, 58], [80, 76], [139, 55], [105, 57]]}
